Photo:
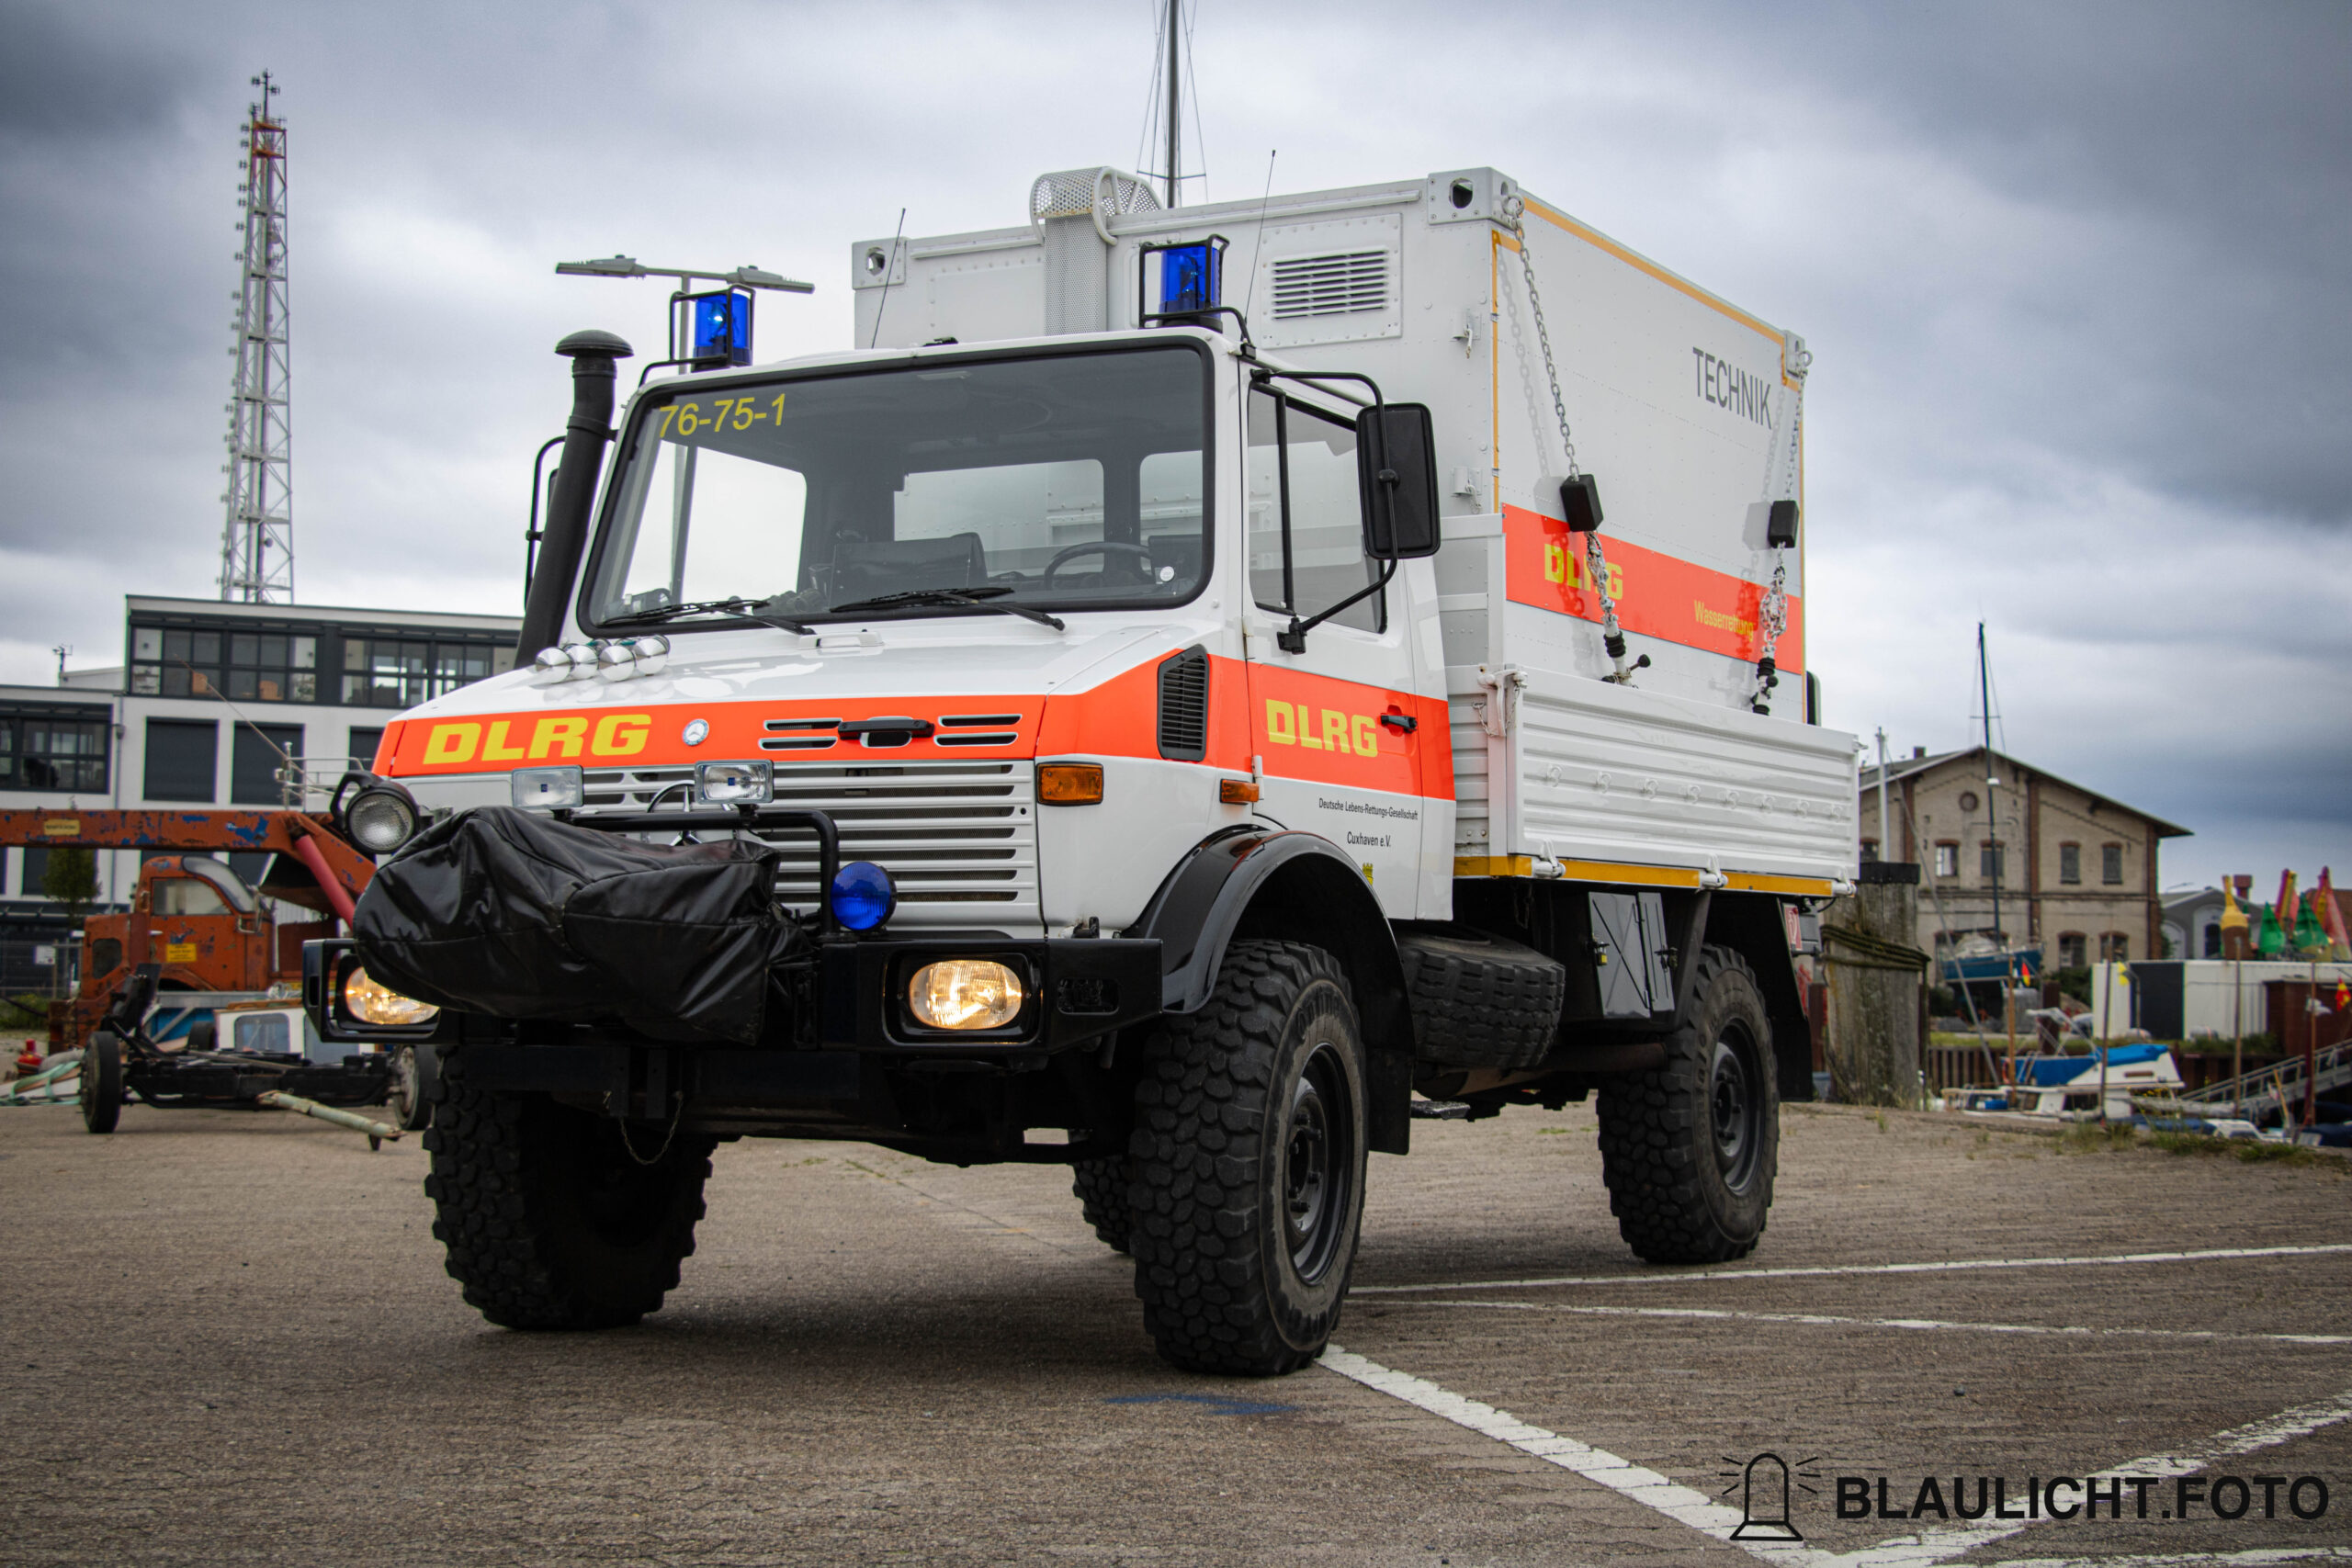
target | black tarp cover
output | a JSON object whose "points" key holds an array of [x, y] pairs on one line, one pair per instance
{"points": [[517, 916]]}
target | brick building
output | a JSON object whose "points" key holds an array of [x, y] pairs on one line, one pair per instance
{"points": [[2078, 870]]}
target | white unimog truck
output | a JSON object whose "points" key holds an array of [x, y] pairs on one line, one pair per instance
{"points": [[1159, 703]]}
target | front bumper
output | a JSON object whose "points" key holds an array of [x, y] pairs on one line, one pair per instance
{"points": [[1079, 990]]}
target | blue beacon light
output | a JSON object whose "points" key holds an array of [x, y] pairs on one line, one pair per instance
{"points": [[721, 326], [1191, 278], [861, 896]]}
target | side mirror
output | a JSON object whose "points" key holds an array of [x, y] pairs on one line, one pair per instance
{"points": [[1397, 460]]}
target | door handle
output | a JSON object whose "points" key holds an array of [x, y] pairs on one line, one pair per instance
{"points": [[1402, 722]]}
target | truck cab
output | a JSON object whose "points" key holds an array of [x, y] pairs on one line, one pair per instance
{"points": [[1183, 754]]}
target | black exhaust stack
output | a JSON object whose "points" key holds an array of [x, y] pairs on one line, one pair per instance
{"points": [[592, 355]]}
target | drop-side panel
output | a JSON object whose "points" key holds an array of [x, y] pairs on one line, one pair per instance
{"points": [[1590, 770]]}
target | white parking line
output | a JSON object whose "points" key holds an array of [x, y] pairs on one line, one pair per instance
{"points": [[1689, 1506], [2259, 1557], [1913, 1323], [1679, 1277]]}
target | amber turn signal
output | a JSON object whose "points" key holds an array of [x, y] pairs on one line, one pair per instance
{"points": [[1236, 791], [1070, 784]]}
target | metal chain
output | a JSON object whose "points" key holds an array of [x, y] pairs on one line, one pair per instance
{"points": [[1775, 615], [1596, 565]]}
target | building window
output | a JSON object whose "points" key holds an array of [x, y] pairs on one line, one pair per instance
{"points": [[397, 672], [1989, 863], [2210, 940], [1947, 858], [2073, 950], [254, 762], [1870, 848], [2114, 947], [2110, 865], [364, 743], [186, 661], [38, 752], [2069, 864], [181, 758]]}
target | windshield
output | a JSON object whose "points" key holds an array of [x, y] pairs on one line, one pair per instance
{"points": [[1073, 482]]}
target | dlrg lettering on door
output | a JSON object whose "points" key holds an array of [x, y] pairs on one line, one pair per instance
{"points": [[1293, 724], [616, 735]]}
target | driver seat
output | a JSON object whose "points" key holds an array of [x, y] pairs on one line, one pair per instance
{"points": [[864, 569]]}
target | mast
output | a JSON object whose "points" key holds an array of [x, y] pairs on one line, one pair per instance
{"points": [[1175, 97], [257, 535], [1991, 807]]}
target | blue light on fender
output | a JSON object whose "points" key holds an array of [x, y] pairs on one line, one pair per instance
{"points": [[861, 896]]}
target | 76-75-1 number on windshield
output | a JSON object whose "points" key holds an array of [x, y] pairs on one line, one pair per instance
{"points": [[719, 413]]}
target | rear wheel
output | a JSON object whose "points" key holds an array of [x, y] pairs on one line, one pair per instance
{"points": [[101, 1082], [552, 1219], [1249, 1164], [1101, 1187], [1690, 1150]]}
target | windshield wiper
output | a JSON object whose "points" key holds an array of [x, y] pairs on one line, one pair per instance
{"points": [[746, 608], [981, 596]]}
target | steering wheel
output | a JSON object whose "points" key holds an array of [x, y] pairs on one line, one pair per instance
{"points": [[1102, 546]]}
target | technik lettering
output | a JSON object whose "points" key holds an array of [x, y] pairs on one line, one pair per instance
{"points": [[1727, 385]]}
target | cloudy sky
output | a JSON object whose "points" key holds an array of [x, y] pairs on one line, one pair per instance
{"points": [[2075, 278]]}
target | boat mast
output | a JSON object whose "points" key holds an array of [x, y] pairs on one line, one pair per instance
{"points": [[1991, 807]]}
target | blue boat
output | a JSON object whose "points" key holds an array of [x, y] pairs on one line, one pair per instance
{"points": [[1991, 966]]}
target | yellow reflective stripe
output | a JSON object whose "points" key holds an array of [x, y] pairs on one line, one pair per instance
{"points": [[1642, 876]]}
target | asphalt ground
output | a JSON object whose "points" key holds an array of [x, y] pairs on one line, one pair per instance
{"points": [[231, 1340]]}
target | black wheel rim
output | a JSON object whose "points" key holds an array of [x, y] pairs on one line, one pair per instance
{"points": [[1318, 1164], [1735, 1108]]}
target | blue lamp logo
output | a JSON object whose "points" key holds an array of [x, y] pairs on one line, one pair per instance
{"points": [[1764, 1484]]}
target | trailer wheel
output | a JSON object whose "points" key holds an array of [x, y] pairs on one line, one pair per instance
{"points": [[415, 1069], [1250, 1164], [1689, 1150], [1101, 1187], [548, 1219], [101, 1082]]}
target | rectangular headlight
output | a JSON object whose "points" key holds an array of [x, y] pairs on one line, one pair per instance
{"points": [[733, 784], [547, 789]]}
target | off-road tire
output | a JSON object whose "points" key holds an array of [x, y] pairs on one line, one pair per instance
{"points": [[1101, 1187], [1248, 1150], [1681, 1192], [547, 1220], [100, 1083], [1480, 1000]]}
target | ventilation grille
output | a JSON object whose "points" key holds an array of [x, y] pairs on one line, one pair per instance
{"points": [[1336, 284], [1184, 706]]}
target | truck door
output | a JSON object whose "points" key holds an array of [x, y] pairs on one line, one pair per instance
{"points": [[1332, 728]]}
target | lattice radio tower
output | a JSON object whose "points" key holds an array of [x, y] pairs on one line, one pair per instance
{"points": [[257, 544]]}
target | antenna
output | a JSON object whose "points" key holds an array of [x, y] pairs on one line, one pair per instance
{"points": [[257, 540], [1163, 116]]}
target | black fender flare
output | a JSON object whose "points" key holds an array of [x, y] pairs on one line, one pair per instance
{"points": [[1275, 882]]}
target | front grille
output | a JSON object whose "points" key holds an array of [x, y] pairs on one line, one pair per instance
{"points": [[959, 839]]}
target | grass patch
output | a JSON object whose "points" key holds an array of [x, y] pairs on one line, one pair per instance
{"points": [[1551, 1130], [2089, 1137]]}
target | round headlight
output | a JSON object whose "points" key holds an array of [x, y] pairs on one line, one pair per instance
{"points": [[652, 654], [552, 665], [371, 1002], [861, 896], [965, 993], [381, 821], [583, 660]]}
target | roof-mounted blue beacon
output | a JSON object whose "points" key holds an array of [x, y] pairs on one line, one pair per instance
{"points": [[719, 327]]}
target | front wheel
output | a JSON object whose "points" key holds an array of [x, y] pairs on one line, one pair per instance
{"points": [[1689, 1150], [1250, 1166], [552, 1217], [101, 1082], [415, 1070]]}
